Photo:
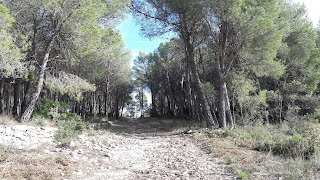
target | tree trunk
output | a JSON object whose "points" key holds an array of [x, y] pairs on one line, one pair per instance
{"points": [[100, 107], [225, 114], [84, 107], [106, 108], [27, 114], [6, 92], [1, 97], [228, 111], [141, 104], [15, 98], [106, 96], [181, 99], [197, 83], [117, 105], [222, 104], [77, 108], [26, 96], [153, 101]]}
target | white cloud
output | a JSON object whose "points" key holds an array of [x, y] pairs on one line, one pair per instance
{"points": [[135, 53]]}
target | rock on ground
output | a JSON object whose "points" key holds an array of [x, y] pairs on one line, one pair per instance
{"points": [[26, 137]]}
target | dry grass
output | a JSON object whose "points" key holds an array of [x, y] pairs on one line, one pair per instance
{"points": [[7, 120], [16, 164], [238, 152], [170, 125], [238, 160], [35, 121]]}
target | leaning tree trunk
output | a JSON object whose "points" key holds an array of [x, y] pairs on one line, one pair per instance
{"points": [[225, 114], [28, 112], [197, 83]]}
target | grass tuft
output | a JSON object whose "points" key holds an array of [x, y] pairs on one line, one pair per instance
{"points": [[17, 165], [7, 120], [289, 151]]}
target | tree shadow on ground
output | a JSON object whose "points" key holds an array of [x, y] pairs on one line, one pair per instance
{"points": [[154, 126]]}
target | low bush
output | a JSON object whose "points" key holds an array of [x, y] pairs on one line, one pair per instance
{"points": [[282, 140], [39, 120], [295, 145], [69, 129]]}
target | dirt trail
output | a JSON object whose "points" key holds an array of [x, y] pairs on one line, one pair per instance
{"points": [[134, 150]]}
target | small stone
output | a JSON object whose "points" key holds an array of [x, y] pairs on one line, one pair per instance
{"points": [[72, 144], [80, 151], [74, 155], [106, 155], [57, 150]]}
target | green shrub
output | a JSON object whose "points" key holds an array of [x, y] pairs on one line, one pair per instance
{"points": [[53, 109], [295, 146], [69, 129], [290, 140], [39, 120], [314, 117]]}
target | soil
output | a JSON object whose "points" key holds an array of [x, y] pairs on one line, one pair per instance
{"points": [[132, 149], [137, 151]]}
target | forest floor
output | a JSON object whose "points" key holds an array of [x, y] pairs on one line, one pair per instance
{"points": [[128, 149]]}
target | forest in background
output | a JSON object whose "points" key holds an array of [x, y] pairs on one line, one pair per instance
{"points": [[63, 56], [230, 62], [248, 67]]}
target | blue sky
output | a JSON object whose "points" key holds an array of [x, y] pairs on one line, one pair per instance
{"points": [[130, 32]]}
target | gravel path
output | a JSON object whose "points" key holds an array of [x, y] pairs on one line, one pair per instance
{"points": [[149, 154], [129, 150]]}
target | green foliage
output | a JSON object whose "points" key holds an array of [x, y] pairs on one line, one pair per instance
{"points": [[69, 129], [314, 117], [209, 90], [294, 146], [11, 64], [53, 109], [243, 175], [39, 119], [69, 125], [69, 84], [286, 140], [5, 17]]}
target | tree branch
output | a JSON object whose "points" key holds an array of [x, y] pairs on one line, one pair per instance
{"points": [[153, 17]]}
